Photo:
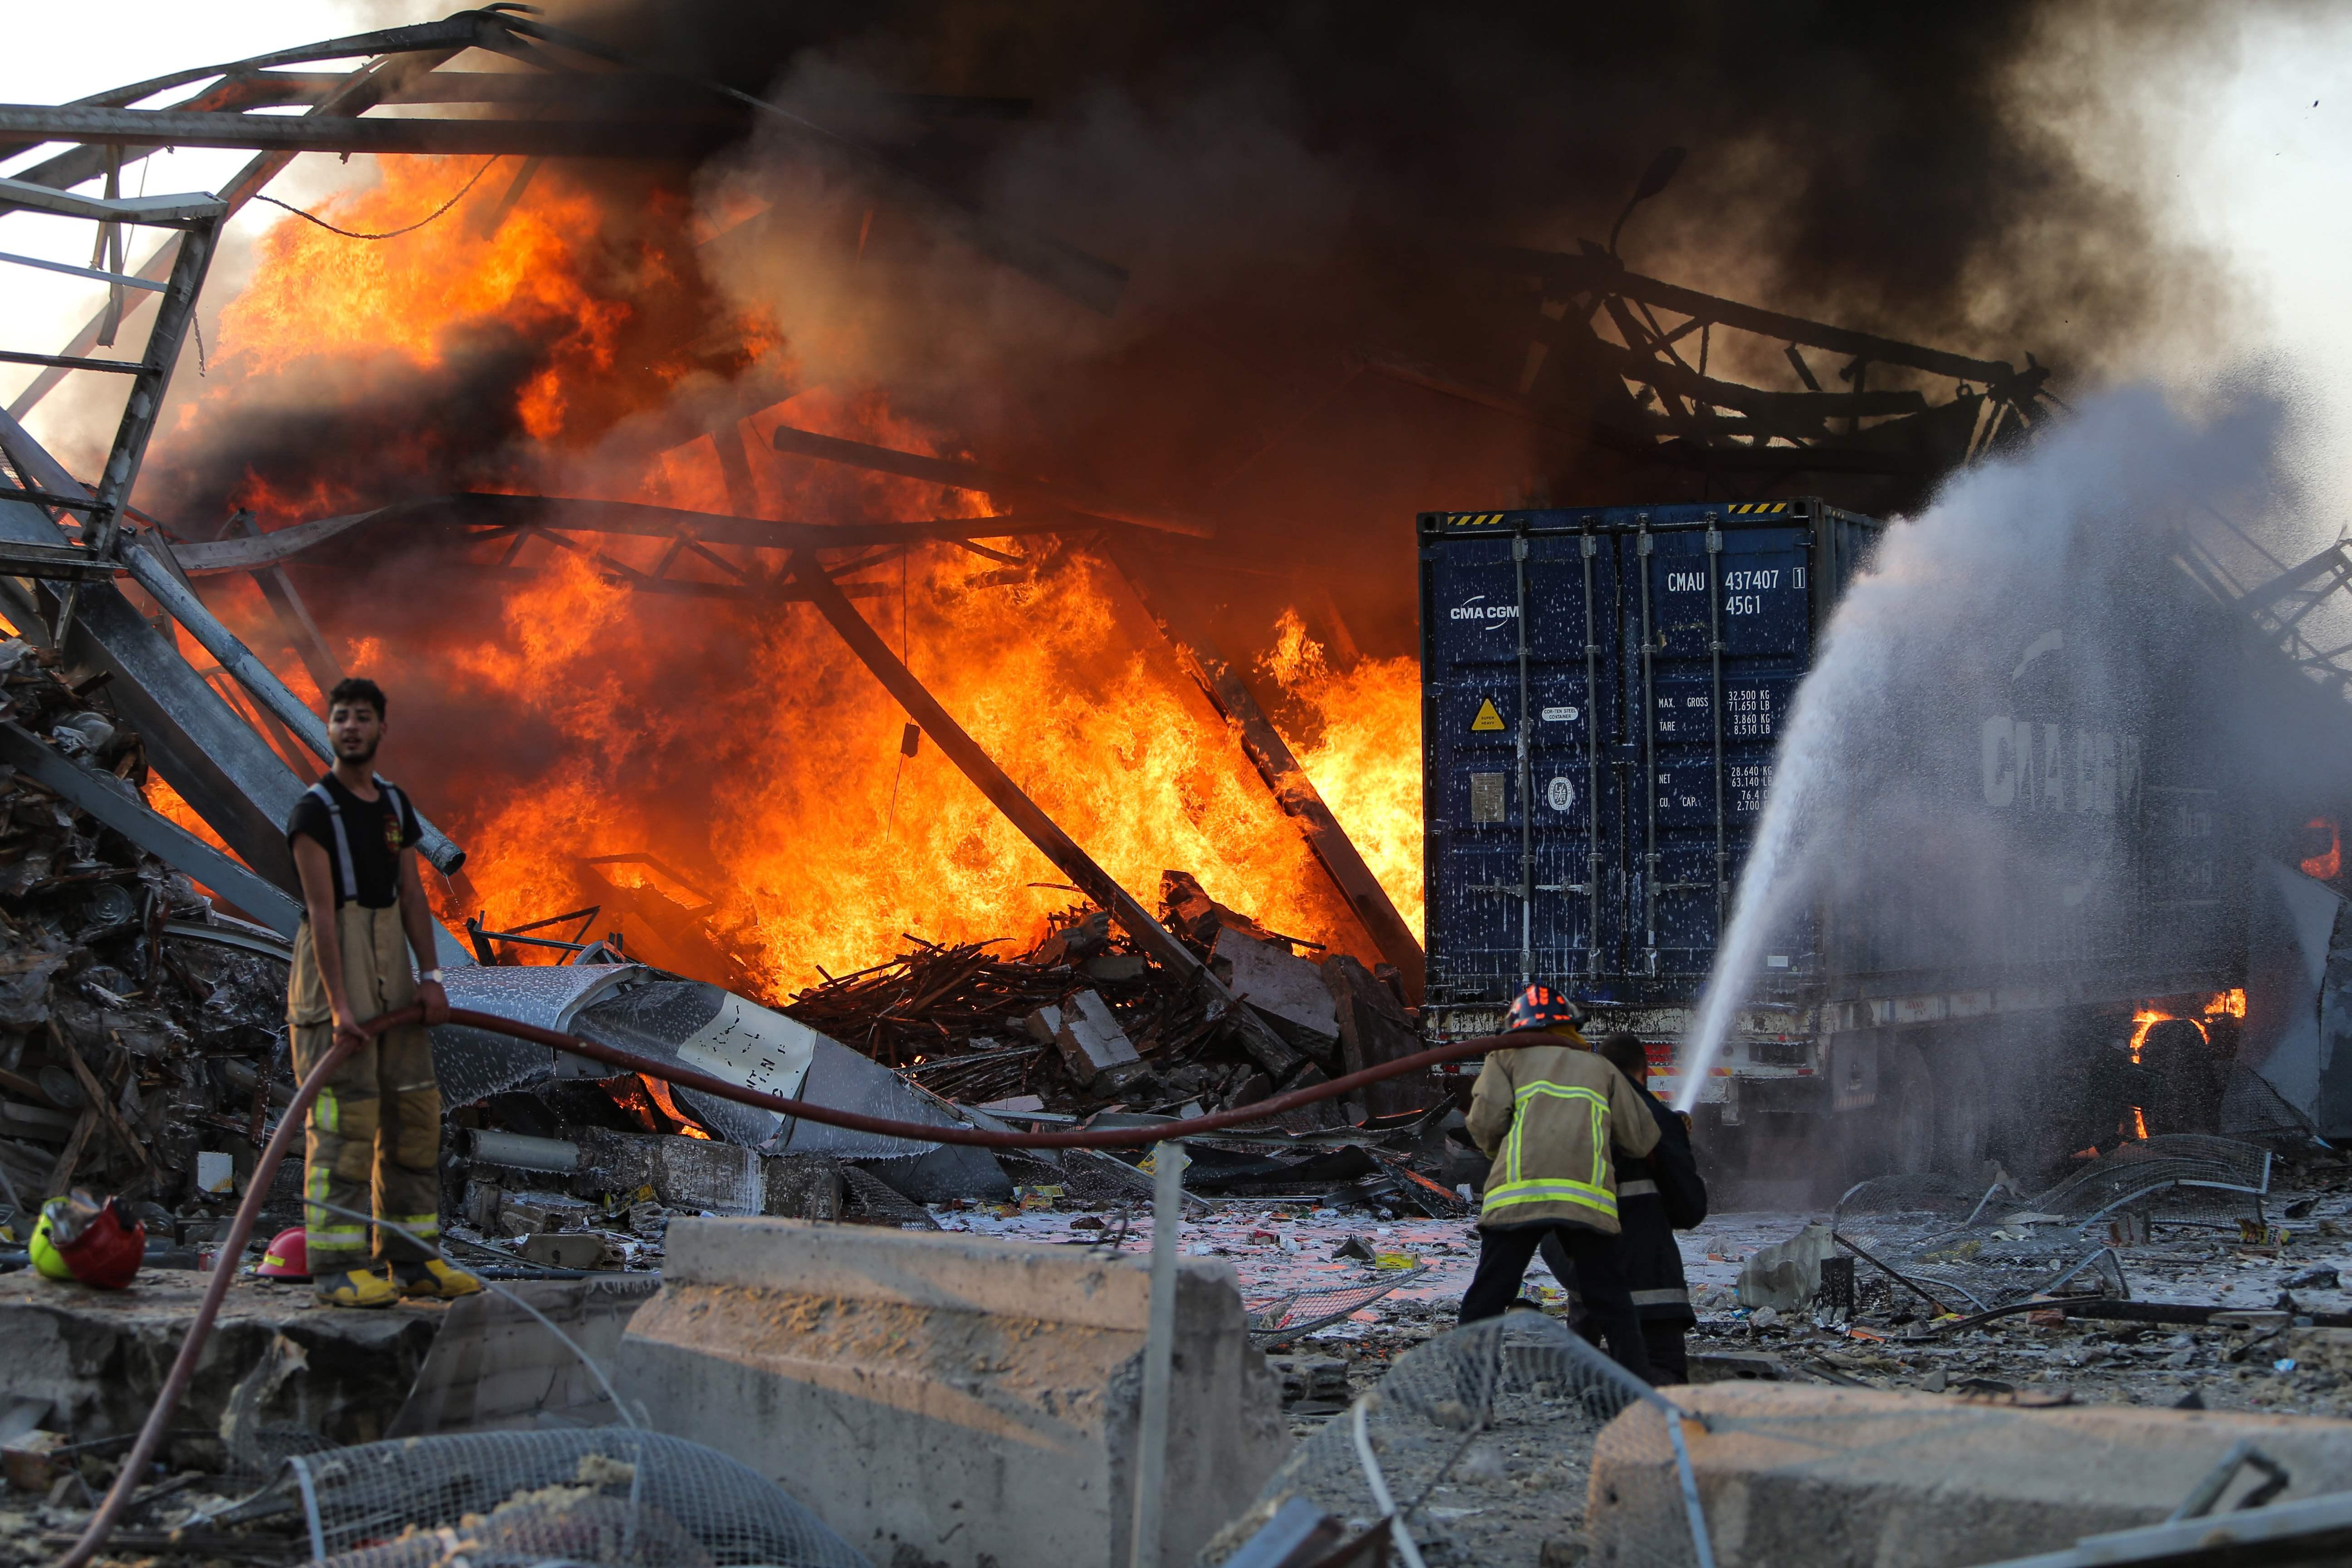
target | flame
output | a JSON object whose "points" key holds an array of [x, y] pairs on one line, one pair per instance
{"points": [[2227, 1004], [2148, 1018], [683, 1123], [1366, 762], [737, 739], [827, 844], [2328, 864]]}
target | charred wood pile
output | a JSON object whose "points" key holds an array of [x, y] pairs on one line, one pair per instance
{"points": [[1085, 1022]]}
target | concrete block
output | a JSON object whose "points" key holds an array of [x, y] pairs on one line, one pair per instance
{"points": [[96, 1359], [495, 1367], [1090, 1039], [1785, 1276], [1286, 990], [1801, 1476], [702, 1176], [693, 1174], [948, 1398], [804, 1186]]}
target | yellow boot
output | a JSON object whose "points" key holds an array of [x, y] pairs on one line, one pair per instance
{"points": [[354, 1288], [434, 1278]]}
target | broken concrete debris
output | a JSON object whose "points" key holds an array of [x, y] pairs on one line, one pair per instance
{"points": [[139, 1022], [958, 1396], [1094, 1048]]}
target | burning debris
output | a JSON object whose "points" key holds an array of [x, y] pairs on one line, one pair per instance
{"points": [[1085, 1022]]}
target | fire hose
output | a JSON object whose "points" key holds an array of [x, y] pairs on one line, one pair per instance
{"points": [[248, 1211]]}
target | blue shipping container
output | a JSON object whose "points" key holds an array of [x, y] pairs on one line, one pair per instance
{"points": [[1602, 691]]}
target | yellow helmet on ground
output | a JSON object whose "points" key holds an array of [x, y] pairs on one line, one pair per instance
{"points": [[44, 1250]]}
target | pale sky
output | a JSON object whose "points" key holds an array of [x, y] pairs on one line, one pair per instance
{"points": [[2242, 147]]}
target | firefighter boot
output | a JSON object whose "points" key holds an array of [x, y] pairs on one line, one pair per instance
{"points": [[434, 1279], [354, 1288]]}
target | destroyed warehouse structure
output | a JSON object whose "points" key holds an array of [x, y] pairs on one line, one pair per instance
{"points": [[1125, 1009], [142, 1048]]}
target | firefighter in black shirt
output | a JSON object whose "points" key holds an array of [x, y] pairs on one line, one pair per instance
{"points": [[375, 1132], [1657, 1194]]}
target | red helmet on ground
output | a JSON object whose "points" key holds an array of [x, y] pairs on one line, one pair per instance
{"points": [[1541, 1007], [289, 1257], [99, 1245]]}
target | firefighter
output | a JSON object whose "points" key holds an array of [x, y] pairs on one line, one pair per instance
{"points": [[1546, 1111], [374, 1143], [1657, 1194]]}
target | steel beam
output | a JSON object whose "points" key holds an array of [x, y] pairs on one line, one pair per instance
{"points": [[173, 318], [973, 476], [153, 212], [293, 616], [258, 678], [361, 90], [220, 766], [346, 133], [117, 804], [1026, 815], [1607, 275], [52, 563], [1292, 790], [562, 514]]}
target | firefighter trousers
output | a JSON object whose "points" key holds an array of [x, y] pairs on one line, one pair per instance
{"points": [[374, 1143]]}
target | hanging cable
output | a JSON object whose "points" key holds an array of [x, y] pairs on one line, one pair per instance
{"points": [[390, 233]]}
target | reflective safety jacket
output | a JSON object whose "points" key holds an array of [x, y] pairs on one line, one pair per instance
{"points": [[1546, 1111]]}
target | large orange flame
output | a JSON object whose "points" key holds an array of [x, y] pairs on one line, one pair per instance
{"points": [[807, 842]]}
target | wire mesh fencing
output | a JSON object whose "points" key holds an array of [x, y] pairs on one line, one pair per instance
{"points": [[1276, 1320], [1478, 1448], [610, 1495], [1971, 1250]]}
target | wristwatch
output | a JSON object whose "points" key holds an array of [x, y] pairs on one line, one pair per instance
{"points": [[432, 974]]}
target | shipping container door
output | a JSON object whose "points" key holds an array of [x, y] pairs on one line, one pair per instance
{"points": [[1509, 874], [1724, 615]]}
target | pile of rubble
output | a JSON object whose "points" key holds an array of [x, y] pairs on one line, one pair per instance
{"points": [[1085, 1022], [141, 1032]]}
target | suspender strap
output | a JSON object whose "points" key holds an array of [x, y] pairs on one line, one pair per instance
{"points": [[347, 873], [392, 793]]}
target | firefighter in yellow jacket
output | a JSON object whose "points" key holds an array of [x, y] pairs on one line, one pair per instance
{"points": [[1548, 1110], [374, 1143]]}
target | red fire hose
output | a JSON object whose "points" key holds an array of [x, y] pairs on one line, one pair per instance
{"points": [[167, 1403]]}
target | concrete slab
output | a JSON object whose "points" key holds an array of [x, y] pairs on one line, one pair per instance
{"points": [[493, 1366], [949, 1399], [1798, 1475], [282, 1375], [1286, 990], [98, 1358]]}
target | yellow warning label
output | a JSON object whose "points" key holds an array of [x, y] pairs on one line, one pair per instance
{"points": [[1488, 718]]}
